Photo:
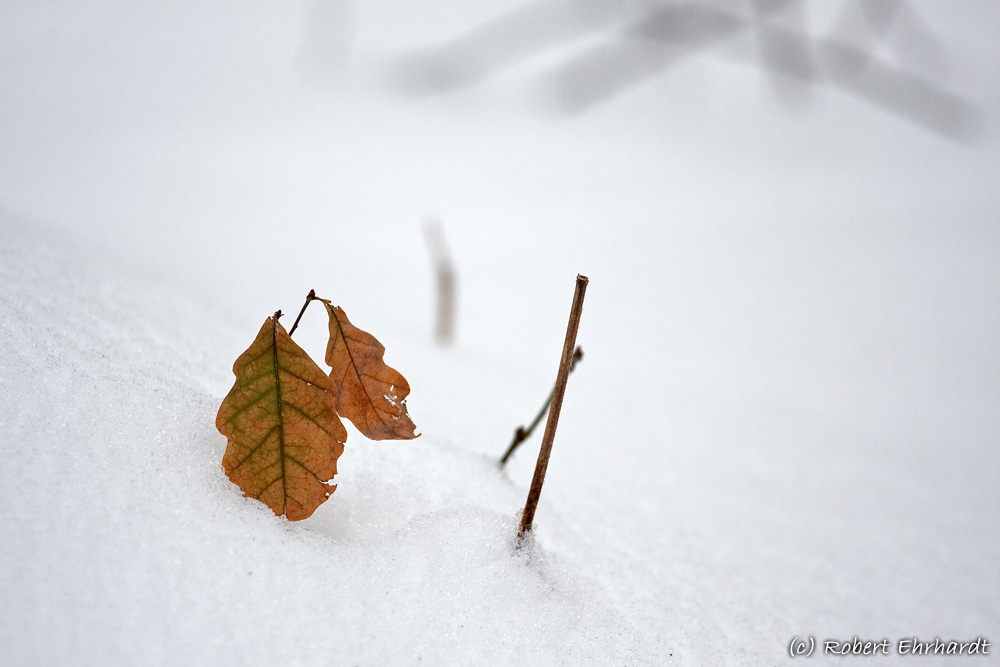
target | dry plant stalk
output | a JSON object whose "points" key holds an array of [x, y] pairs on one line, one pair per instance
{"points": [[557, 398]]}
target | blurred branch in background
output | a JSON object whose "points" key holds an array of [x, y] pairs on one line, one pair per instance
{"points": [[329, 29], [444, 272], [622, 45], [773, 51], [505, 41]]}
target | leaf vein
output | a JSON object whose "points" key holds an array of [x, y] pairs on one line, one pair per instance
{"points": [[312, 419], [303, 466], [249, 404], [255, 448]]}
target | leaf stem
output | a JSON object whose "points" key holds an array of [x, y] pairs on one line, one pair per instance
{"points": [[522, 433], [557, 398], [309, 299]]}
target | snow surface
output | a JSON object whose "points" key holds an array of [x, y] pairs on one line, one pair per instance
{"points": [[787, 421]]}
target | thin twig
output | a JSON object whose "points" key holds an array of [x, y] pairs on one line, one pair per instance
{"points": [[309, 299], [557, 398], [522, 433]]}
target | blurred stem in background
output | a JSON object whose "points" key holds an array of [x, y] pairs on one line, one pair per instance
{"points": [[444, 271]]}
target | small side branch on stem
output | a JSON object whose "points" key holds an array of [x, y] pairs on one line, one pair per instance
{"points": [[522, 433]]}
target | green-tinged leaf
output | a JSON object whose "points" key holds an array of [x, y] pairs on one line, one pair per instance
{"points": [[281, 421]]}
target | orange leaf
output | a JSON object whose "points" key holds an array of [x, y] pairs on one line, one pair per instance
{"points": [[369, 393], [283, 429]]}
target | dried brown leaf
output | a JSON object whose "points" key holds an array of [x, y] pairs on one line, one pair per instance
{"points": [[369, 393], [281, 421]]}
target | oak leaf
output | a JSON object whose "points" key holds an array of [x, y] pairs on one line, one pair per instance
{"points": [[369, 393], [281, 421]]}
